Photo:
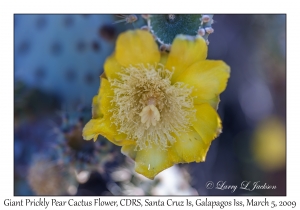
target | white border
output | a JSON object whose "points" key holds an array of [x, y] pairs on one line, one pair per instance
{"points": [[8, 8]]}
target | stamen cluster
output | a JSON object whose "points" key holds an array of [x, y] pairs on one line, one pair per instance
{"points": [[148, 107]]}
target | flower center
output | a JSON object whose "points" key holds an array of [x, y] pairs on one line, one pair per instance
{"points": [[148, 108]]}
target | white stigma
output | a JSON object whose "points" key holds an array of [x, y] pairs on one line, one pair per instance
{"points": [[150, 115]]}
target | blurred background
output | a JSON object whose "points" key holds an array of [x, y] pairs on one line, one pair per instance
{"points": [[57, 63]]}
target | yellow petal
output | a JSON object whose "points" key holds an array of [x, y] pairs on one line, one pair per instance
{"points": [[209, 78], [101, 123], [97, 127], [136, 47], [112, 67], [101, 103], [129, 150], [184, 53], [208, 123], [96, 112], [106, 94], [151, 161], [189, 147], [214, 102], [163, 58], [121, 139], [104, 127]]}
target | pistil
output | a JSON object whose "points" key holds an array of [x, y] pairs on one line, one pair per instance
{"points": [[150, 115]]}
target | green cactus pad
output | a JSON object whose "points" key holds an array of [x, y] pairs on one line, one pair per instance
{"points": [[166, 27]]}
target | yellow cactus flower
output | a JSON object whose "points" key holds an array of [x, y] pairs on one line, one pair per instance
{"points": [[269, 144], [161, 108]]}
